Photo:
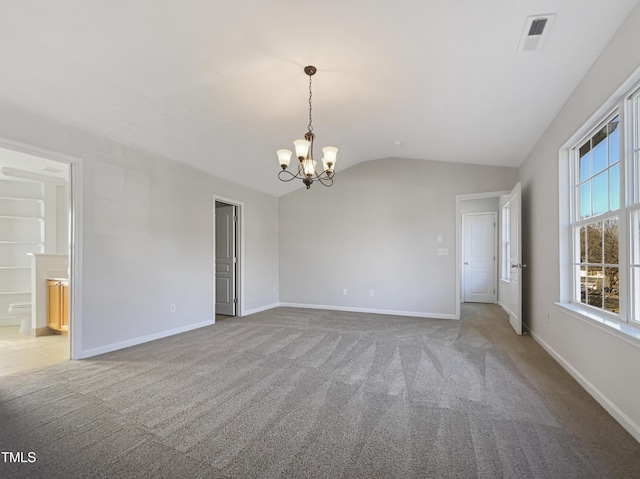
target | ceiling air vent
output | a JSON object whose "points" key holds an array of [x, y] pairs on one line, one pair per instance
{"points": [[535, 31]]}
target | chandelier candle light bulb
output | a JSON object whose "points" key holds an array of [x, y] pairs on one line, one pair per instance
{"points": [[304, 152]]}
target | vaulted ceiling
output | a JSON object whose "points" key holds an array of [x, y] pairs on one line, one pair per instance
{"points": [[219, 84]]}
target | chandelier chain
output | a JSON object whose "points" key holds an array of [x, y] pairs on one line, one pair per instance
{"points": [[310, 127]]}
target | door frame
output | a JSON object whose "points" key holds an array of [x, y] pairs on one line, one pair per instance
{"points": [[240, 307], [459, 251], [75, 192], [494, 278]]}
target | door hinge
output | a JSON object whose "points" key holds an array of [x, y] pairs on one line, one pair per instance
{"points": [[235, 300], [235, 219]]}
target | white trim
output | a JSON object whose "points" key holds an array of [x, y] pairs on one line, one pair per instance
{"points": [[261, 308], [75, 259], [504, 307], [143, 339], [620, 330], [5, 322], [625, 421], [369, 310]]}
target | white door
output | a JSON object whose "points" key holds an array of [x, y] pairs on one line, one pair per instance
{"points": [[226, 260], [515, 259], [479, 257]]}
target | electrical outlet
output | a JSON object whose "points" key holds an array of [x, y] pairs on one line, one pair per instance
{"points": [[371, 293], [274, 290], [344, 292], [172, 307]]}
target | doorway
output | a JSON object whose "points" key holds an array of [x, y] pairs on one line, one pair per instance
{"points": [[467, 205], [35, 246], [227, 264]]}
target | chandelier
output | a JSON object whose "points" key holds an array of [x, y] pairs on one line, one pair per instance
{"points": [[304, 151]]}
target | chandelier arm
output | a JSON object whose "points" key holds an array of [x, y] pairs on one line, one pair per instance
{"points": [[292, 176], [326, 181]]}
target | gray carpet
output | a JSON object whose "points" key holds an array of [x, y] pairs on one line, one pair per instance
{"points": [[306, 393]]}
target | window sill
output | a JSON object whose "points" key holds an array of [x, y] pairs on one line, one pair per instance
{"points": [[621, 330]]}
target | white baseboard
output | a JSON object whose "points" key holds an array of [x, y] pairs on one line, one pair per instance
{"points": [[414, 314], [260, 309], [142, 339], [10, 322], [625, 421], [504, 308]]}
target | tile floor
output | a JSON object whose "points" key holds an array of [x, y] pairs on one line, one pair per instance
{"points": [[22, 352]]}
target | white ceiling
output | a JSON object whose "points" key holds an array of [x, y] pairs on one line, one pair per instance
{"points": [[219, 85]]}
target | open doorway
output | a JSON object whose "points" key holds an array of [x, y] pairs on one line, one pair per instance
{"points": [[506, 206], [227, 265], [479, 210], [35, 225]]}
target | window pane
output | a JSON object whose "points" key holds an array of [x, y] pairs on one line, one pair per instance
{"points": [[614, 188], [636, 147], [599, 152], [635, 266], [594, 243], [585, 161], [635, 238], [594, 286], [610, 241], [600, 192], [611, 290], [583, 284], [585, 200], [613, 141], [635, 296], [583, 244]]}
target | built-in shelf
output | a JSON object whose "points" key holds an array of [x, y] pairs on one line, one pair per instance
{"points": [[21, 217], [21, 198], [22, 231], [22, 242]]}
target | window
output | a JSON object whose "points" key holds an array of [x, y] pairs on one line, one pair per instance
{"points": [[506, 247], [604, 224], [634, 228], [595, 230]]}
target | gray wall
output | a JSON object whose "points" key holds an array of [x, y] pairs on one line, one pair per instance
{"points": [[605, 364], [148, 236], [376, 229]]}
